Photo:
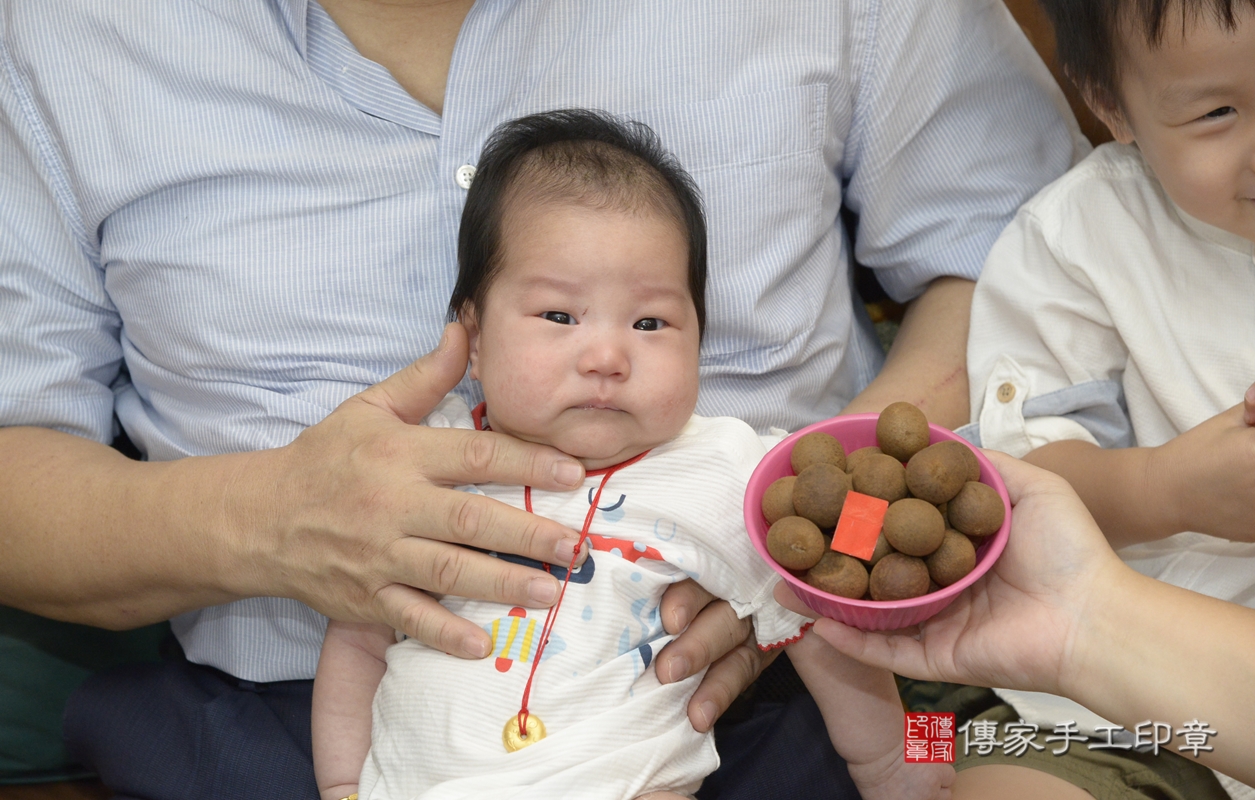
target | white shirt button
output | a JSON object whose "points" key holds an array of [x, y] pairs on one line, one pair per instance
{"points": [[465, 176], [1006, 393]]}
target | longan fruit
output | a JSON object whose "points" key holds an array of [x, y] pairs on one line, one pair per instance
{"points": [[816, 448], [819, 493], [914, 527], [976, 510], [880, 476], [855, 458], [953, 560], [973, 466], [839, 574], [778, 499], [898, 577], [795, 543], [883, 548], [902, 431], [937, 472]]}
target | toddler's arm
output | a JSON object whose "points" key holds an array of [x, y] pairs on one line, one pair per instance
{"points": [[349, 670], [1203, 480], [1053, 334], [865, 721]]}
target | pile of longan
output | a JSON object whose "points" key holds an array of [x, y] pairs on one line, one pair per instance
{"points": [[939, 512]]}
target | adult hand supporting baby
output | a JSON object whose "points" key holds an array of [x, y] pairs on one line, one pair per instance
{"points": [[366, 525], [709, 634], [1059, 612], [352, 518]]}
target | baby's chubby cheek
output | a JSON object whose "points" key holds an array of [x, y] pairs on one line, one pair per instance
{"points": [[673, 409]]}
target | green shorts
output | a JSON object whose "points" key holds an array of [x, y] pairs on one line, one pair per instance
{"points": [[1106, 774]]}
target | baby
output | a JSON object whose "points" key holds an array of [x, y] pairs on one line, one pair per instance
{"points": [[1112, 338], [582, 287]]}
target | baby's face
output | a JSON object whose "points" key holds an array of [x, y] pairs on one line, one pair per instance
{"points": [[588, 340], [1190, 106]]}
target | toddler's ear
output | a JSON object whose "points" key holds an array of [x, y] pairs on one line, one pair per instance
{"points": [[470, 321], [1110, 114]]}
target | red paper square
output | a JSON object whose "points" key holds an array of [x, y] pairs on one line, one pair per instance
{"points": [[862, 516]]}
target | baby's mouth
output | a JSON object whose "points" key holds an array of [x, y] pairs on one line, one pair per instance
{"points": [[598, 406]]}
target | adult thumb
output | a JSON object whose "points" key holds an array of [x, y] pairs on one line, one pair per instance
{"points": [[413, 392], [1248, 405]]}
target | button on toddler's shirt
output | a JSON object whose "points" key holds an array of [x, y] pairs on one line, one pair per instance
{"points": [[1006, 393], [465, 176]]}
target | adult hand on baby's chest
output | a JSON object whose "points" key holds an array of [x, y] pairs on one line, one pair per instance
{"points": [[364, 527]]}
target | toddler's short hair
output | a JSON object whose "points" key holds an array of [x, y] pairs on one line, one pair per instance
{"points": [[1087, 34], [580, 156]]}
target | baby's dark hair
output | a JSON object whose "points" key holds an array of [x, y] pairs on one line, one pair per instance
{"points": [[578, 156], [1087, 34]]}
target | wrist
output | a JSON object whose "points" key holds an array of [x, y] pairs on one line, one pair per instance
{"points": [[225, 506], [251, 522], [1104, 647], [1167, 508]]}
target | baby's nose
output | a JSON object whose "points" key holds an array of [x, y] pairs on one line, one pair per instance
{"points": [[606, 355]]}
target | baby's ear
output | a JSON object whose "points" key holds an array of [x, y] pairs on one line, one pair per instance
{"points": [[470, 321]]}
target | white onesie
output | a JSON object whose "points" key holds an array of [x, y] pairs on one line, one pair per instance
{"points": [[613, 731]]}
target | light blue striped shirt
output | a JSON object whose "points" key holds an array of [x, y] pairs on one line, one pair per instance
{"points": [[218, 220]]}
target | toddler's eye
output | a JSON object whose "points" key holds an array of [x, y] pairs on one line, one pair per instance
{"points": [[1223, 111], [649, 324], [560, 317]]}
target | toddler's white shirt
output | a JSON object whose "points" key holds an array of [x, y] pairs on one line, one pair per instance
{"points": [[1107, 314]]}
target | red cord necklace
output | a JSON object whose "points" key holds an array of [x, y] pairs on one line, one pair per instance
{"points": [[525, 728]]}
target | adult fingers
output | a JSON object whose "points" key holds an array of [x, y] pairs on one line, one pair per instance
{"points": [[419, 616], [713, 633], [680, 604], [1248, 406], [898, 653], [454, 456], [724, 682], [785, 597], [447, 569], [470, 457], [472, 520], [414, 391]]}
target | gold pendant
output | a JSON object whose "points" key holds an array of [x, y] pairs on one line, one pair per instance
{"points": [[513, 740]]}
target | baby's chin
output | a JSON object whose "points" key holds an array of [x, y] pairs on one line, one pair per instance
{"points": [[597, 439], [597, 449], [601, 454]]}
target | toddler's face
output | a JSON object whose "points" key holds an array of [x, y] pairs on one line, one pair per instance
{"points": [[588, 338], [1190, 106]]}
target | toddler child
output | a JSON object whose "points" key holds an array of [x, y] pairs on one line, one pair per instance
{"points": [[1113, 333], [582, 288]]}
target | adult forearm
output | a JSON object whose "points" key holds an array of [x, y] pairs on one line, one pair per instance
{"points": [[927, 364], [91, 536], [354, 518], [1117, 487], [1149, 650]]}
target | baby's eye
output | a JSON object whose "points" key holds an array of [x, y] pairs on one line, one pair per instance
{"points": [[1217, 113], [649, 324], [560, 317]]}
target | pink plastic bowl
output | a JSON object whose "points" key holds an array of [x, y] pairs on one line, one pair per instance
{"points": [[855, 431]]}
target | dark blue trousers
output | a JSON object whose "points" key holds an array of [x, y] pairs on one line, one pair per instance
{"points": [[180, 731]]}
